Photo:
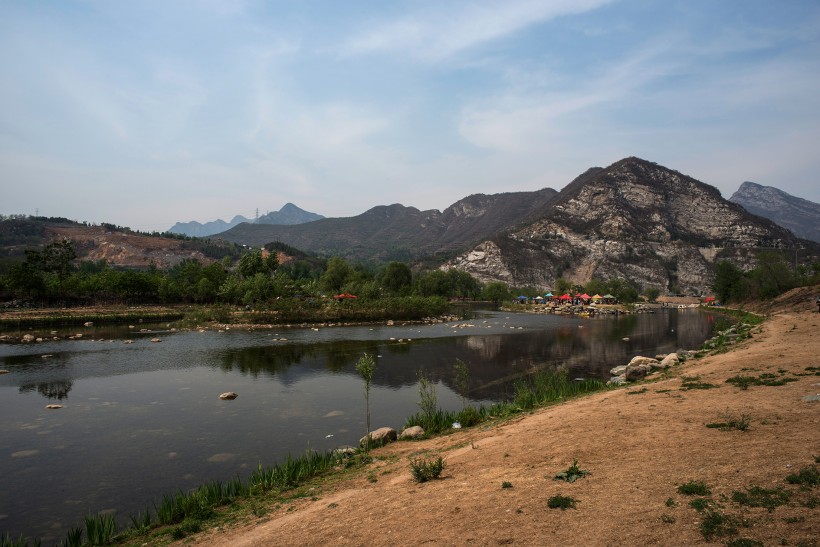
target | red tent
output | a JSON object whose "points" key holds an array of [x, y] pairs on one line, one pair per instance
{"points": [[565, 296], [585, 296]]}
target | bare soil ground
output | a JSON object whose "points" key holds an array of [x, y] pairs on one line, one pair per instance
{"points": [[639, 446]]}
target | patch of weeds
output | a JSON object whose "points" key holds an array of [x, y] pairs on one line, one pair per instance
{"points": [[714, 523], [740, 423], [668, 519], [572, 473], [693, 382], [793, 520], [506, 484], [663, 391], [744, 542], [332, 505], [670, 502], [694, 488], [744, 381], [561, 502], [372, 478], [637, 391], [186, 529], [807, 476], [812, 502], [757, 496], [424, 470], [700, 504]]}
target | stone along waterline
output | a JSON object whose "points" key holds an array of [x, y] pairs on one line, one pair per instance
{"points": [[143, 419]]}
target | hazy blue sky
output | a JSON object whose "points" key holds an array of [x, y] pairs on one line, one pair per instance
{"points": [[143, 113]]}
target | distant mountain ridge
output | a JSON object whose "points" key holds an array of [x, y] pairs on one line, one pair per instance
{"points": [[397, 232], [799, 215], [289, 214]]}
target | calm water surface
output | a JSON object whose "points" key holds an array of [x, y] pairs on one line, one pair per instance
{"points": [[144, 419]]}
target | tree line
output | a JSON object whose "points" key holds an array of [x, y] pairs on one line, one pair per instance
{"points": [[53, 275], [773, 275]]}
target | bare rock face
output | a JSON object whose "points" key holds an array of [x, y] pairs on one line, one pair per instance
{"points": [[801, 216], [633, 220]]}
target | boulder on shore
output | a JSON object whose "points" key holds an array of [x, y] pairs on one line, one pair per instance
{"points": [[670, 360], [381, 436], [414, 432]]}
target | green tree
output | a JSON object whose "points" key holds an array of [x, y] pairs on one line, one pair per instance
{"points": [[652, 294], [729, 282], [496, 291], [253, 263], [397, 278], [772, 276], [365, 367], [336, 275], [562, 286]]}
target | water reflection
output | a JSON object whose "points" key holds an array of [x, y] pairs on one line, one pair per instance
{"points": [[132, 406], [50, 390]]}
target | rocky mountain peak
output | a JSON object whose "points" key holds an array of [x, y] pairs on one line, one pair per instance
{"points": [[799, 215], [632, 220]]}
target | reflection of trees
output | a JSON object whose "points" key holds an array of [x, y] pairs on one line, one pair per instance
{"points": [[275, 360], [52, 390], [494, 361]]}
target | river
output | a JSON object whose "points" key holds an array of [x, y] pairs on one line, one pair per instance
{"points": [[144, 419]]}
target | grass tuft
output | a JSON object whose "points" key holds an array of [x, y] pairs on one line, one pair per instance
{"points": [[757, 496], [694, 488], [561, 502], [424, 469]]}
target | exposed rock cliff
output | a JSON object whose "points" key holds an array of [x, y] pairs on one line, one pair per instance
{"points": [[799, 215], [633, 220]]}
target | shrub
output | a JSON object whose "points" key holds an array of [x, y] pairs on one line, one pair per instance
{"points": [[561, 502], [424, 470], [694, 488], [572, 473], [807, 476]]}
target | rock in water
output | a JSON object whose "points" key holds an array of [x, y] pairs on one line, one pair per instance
{"points": [[229, 396]]}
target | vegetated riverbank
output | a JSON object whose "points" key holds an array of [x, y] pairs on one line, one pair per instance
{"points": [[280, 312], [645, 447]]}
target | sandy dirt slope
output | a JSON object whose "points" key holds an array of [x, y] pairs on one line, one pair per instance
{"points": [[638, 447]]}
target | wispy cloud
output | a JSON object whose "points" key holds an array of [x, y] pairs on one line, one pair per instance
{"points": [[446, 30]]}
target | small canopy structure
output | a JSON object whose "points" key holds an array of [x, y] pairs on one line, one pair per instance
{"points": [[548, 295], [597, 297], [539, 297], [609, 298], [709, 300], [522, 297], [585, 296], [565, 296]]}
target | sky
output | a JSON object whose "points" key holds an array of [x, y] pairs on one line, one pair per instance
{"points": [[145, 113]]}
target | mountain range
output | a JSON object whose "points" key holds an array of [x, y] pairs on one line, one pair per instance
{"points": [[397, 232], [633, 220], [799, 215], [288, 214]]}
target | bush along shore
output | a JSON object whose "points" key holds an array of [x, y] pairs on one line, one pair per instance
{"points": [[178, 515], [286, 312]]}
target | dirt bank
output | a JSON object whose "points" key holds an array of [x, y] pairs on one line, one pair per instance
{"points": [[639, 446]]}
